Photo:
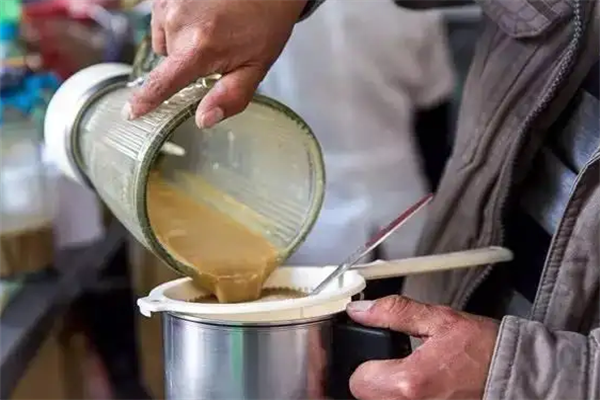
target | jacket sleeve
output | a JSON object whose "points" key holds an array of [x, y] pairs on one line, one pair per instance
{"points": [[532, 362]]}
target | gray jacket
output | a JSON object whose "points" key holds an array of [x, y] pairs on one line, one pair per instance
{"points": [[531, 58]]}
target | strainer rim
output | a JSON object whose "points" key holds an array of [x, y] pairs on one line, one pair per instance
{"points": [[326, 303]]}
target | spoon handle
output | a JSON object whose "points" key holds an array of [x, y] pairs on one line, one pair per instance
{"points": [[437, 262]]}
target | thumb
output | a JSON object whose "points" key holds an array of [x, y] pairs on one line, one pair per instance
{"points": [[400, 314], [229, 96]]}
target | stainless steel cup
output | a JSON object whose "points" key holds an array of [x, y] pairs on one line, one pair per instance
{"points": [[295, 348], [216, 361]]}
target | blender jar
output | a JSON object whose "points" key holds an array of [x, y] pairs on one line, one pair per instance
{"points": [[265, 159]]}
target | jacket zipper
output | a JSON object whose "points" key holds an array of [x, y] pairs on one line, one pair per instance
{"points": [[566, 66]]}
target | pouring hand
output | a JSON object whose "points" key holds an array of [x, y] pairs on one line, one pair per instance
{"points": [[239, 39], [452, 363]]}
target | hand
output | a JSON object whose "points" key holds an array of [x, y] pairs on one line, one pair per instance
{"points": [[452, 363], [239, 39]]}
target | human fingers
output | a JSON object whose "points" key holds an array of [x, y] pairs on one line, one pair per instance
{"points": [[229, 96], [157, 28], [380, 380], [401, 314], [159, 38], [173, 74]]}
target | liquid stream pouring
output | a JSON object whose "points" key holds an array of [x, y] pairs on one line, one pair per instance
{"points": [[225, 207]]}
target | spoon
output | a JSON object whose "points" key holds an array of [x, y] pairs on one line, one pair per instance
{"points": [[375, 241]]}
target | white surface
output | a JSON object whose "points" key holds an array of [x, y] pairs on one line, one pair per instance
{"points": [[64, 107], [355, 71], [27, 188], [78, 218]]}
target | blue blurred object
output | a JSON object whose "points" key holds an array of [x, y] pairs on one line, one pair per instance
{"points": [[21, 89], [9, 31], [31, 93], [13, 58]]}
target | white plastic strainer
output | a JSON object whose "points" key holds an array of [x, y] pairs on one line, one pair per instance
{"points": [[178, 296]]}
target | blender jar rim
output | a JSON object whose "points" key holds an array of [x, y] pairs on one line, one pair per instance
{"points": [[318, 183]]}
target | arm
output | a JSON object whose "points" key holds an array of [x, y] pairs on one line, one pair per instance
{"points": [[531, 361]]}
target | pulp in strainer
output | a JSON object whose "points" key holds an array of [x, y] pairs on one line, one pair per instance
{"points": [[267, 294], [180, 296]]}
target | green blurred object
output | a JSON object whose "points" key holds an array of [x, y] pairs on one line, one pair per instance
{"points": [[7, 291], [12, 56], [10, 11]]}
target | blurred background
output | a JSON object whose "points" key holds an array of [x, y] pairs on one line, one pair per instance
{"points": [[378, 84]]}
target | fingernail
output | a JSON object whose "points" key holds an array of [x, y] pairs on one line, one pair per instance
{"points": [[360, 306], [210, 118], [126, 111]]}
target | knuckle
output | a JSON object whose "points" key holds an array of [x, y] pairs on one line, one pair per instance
{"points": [[447, 310], [394, 304], [172, 18], [197, 40], [159, 6], [237, 95], [411, 387], [200, 39], [368, 370], [153, 85], [449, 317], [362, 379], [153, 89], [155, 21], [208, 29]]}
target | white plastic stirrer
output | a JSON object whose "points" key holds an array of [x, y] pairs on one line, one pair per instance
{"points": [[433, 263]]}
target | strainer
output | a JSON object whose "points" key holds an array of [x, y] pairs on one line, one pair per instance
{"points": [[300, 348], [179, 296], [265, 160]]}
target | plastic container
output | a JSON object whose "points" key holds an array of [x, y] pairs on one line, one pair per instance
{"points": [[264, 161], [23, 200], [12, 56], [27, 196]]}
